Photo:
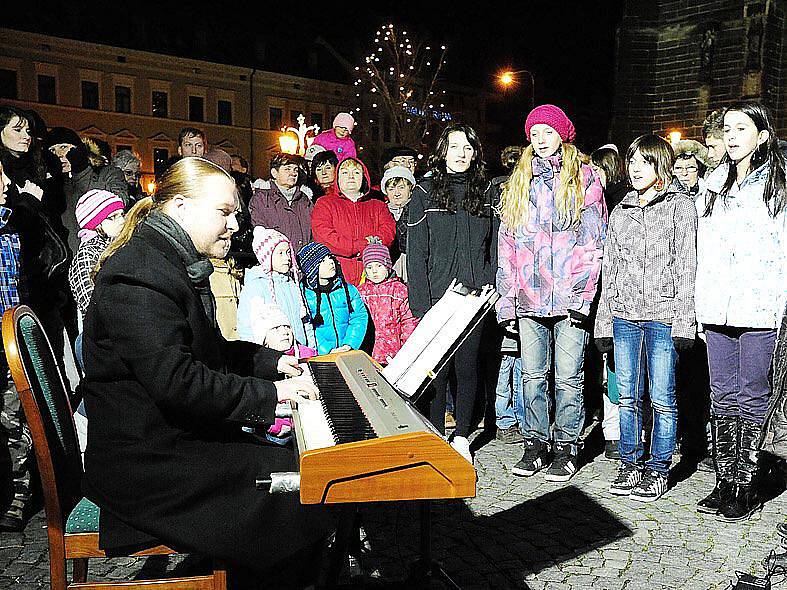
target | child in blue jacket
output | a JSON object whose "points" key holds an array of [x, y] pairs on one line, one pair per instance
{"points": [[338, 314]]}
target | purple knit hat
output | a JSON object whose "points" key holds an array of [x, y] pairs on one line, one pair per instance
{"points": [[549, 114], [377, 253]]}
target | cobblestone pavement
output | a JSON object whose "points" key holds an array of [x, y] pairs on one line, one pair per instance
{"points": [[518, 533]]}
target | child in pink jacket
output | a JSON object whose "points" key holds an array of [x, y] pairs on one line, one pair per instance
{"points": [[338, 138], [386, 297]]}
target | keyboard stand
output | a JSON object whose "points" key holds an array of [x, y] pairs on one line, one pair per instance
{"points": [[426, 572]]}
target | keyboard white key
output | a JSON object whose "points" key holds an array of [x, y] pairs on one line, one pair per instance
{"points": [[316, 434]]}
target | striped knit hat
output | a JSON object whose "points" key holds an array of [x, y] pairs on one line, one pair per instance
{"points": [[264, 243], [95, 206], [377, 253], [309, 259]]}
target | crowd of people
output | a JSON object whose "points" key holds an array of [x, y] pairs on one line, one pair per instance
{"points": [[665, 265]]}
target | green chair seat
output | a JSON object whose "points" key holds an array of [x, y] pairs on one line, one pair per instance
{"points": [[83, 518]]}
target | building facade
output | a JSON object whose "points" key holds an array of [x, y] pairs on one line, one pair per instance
{"points": [[140, 100], [677, 60]]}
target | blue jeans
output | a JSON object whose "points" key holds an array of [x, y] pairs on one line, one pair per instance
{"points": [[508, 393], [641, 348], [536, 336]]}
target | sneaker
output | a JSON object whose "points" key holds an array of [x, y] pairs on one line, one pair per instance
{"points": [[537, 455], [510, 435], [611, 450], [651, 488], [564, 465], [627, 479], [462, 446]]}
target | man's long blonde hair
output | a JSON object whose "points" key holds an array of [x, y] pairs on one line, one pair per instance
{"points": [[570, 196]]}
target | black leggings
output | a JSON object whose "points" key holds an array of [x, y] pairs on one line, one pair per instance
{"points": [[462, 371]]}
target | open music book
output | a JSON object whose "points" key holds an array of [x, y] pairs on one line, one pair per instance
{"points": [[439, 333]]}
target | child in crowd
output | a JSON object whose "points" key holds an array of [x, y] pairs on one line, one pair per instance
{"points": [[551, 238], [271, 327], [338, 139], [338, 313], [274, 280], [385, 295], [100, 216], [398, 183], [647, 309]]}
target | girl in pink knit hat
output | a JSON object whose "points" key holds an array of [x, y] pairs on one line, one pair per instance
{"points": [[100, 216], [551, 237], [337, 139]]}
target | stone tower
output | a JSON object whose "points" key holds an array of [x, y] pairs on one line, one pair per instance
{"points": [[677, 60]]}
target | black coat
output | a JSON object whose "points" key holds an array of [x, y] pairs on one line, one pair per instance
{"points": [[166, 457], [442, 246]]}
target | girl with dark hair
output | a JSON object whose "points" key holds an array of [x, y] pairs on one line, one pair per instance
{"points": [[450, 235], [553, 221], [40, 282], [741, 294], [647, 310], [608, 165]]}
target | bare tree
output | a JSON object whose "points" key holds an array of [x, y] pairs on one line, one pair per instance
{"points": [[398, 83]]}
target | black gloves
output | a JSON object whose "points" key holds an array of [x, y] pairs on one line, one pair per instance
{"points": [[682, 344], [604, 345]]}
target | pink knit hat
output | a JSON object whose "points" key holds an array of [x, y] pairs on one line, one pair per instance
{"points": [[264, 243], [549, 114], [344, 120], [377, 253], [95, 206]]}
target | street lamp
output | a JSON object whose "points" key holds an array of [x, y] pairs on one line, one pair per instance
{"points": [[301, 139], [508, 79], [674, 137]]}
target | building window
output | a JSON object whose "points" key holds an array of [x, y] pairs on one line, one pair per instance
{"points": [[8, 84], [316, 120], [46, 89], [89, 95], [119, 148], [196, 108], [275, 115], [224, 112], [294, 118], [160, 104], [122, 99], [160, 160]]}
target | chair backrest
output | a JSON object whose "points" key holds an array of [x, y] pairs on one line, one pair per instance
{"points": [[47, 408]]}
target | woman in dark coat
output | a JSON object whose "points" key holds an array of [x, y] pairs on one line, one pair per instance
{"points": [[166, 458], [452, 234]]}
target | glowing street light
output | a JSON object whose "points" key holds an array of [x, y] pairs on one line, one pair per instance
{"points": [[295, 140], [151, 187], [508, 79], [674, 137]]}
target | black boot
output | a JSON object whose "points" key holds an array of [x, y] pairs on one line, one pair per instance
{"points": [[745, 500], [724, 450]]}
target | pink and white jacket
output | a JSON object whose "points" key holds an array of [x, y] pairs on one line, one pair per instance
{"points": [[390, 310], [548, 266], [343, 148]]}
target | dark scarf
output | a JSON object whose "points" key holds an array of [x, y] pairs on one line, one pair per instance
{"points": [[198, 267]]}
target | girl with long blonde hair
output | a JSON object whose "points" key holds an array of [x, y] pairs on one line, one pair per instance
{"points": [[553, 221]]}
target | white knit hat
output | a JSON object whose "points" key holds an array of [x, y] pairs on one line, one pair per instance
{"points": [[397, 172]]}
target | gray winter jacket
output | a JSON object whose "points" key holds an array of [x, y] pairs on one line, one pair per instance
{"points": [[649, 264]]}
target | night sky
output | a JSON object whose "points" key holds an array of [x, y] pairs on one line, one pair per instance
{"points": [[569, 46]]}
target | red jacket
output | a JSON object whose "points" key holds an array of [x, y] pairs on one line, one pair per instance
{"points": [[390, 312], [343, 226]]}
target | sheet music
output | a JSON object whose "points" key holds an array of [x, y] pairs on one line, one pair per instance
{"points": [[439, 332]]}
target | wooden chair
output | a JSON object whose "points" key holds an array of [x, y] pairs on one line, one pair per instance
{"points": [[72, 521]]}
